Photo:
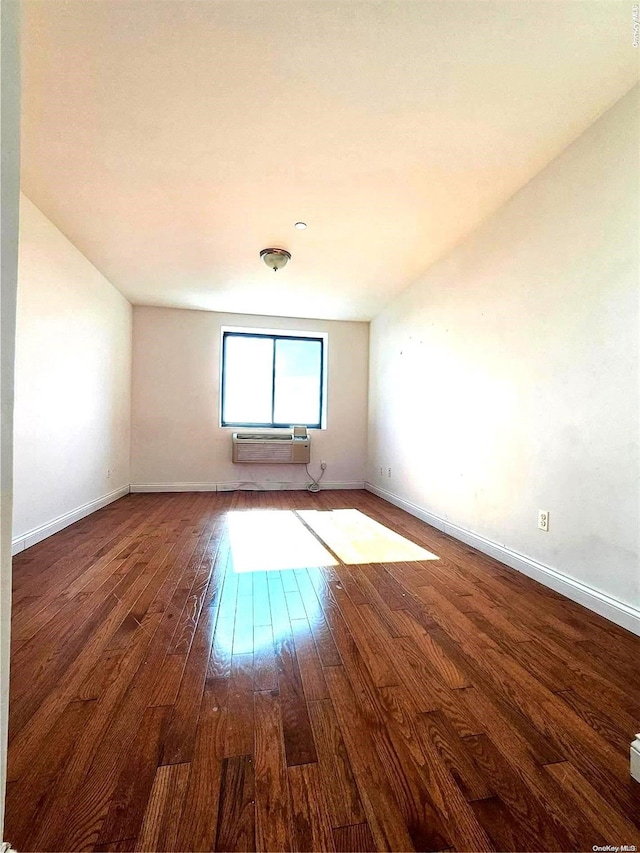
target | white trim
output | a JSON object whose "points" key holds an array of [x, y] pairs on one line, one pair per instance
{"points": [[172, 487], [234, 485], [26, 540], [611, 608], [635, 758]]}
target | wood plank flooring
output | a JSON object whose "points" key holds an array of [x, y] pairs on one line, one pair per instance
{"points": [[162, 701]]}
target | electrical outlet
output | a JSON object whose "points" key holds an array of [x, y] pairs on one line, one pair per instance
{"points": [[323, 465], [388, 472], [543, 519], [108, 473], [381, 470]]}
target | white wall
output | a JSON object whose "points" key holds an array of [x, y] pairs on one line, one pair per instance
{"points": [[176, 438], [514, 363], [9, 206], [73, 383]]}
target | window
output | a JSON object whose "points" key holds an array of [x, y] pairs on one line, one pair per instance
{"points": [[271, 380]]}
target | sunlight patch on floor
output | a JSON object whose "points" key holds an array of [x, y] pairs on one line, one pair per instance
{"points": [[356, 538], [270, 540]]}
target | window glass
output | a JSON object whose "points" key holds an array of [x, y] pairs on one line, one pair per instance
{"points": [[271, 380], [248, 373], [298, 377]]}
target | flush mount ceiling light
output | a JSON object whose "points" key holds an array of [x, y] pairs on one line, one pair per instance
{"points": [[275, 258], [300, 226]]}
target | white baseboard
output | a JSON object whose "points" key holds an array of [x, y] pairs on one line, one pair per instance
{"points": [[172, 487], [605, 605], [270, 485], [31, 537], [235, 485]]}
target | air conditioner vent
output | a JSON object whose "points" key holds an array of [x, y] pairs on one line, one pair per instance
{"points": [[263, 436], [270, 448]]}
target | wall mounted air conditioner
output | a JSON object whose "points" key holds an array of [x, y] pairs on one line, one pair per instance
{"points": [[281, 447]]}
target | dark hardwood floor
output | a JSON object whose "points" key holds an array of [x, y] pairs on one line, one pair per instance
{"points": [[161, 700]]}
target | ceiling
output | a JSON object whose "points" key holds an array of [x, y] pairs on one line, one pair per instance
{"points": [[172, 140]]}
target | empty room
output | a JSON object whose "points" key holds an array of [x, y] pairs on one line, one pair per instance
{"points": [[320, 425]]}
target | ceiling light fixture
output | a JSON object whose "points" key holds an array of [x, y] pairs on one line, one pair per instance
{"points": [[300, 226], [275, 258]]}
